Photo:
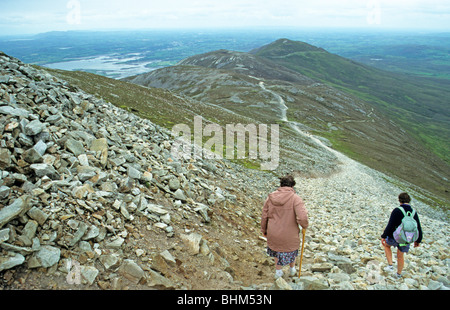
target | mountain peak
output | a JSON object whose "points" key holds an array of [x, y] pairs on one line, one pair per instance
{"points": [[282, 47]]}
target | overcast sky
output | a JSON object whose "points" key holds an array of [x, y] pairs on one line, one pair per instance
{"points": [[35, 16]]}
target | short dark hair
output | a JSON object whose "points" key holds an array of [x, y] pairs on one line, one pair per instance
{"points": [[404, 198], [287, 180]]}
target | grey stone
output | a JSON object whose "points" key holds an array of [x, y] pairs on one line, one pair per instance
{"points": [[347, 267], [4, 79], [86, 172], [202, 209], [19, 206], [89, 273], [82, 228], [312, 283], [115, 244], [434, 285], [38, 215], [30, 229], [40, 147], [154, 279], [32, 156], [48, 255], [281, 284], [124, 212], [174, 184], [8, 262], [99, 145], [4, 235], [118, 161], [338, 277], [338, 258], [5, 158], [192, 242], [179, 194], [168, 258], [54, 119], [75, 146], [85, 246], [4, 191], [134, 173], [80, 192], [156, 209], [108, 186], [24, 140], [43, 135], [321, 267], [15, 248], [8, 110], [81, 134], [83, 159], [345, 286], [131, 270], [91, 233], [110, 260], [45, 170], [34, 127]]}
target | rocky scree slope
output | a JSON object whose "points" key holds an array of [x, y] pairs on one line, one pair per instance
{"points": [[89, 190], [348, 212]]}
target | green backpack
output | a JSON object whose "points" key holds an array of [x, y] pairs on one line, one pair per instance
{"points": [[407, 232]]}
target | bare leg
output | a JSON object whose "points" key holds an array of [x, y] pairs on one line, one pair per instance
{"points": [[400, 261], [278, 267], [278, 270], [388, 252]]}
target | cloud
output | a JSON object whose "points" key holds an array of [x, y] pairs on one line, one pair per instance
{"points": [[45, 15]]}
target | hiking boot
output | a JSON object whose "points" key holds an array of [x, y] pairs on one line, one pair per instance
{"points": [[389, 268]]}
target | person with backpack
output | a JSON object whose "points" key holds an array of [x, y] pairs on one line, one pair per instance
{"points": [[282, 214], [402, 230]]}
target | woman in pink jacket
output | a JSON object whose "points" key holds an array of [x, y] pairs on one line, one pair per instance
{"points": [[283, 211]]}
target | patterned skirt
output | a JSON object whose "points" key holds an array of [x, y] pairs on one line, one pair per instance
{"points": [[284, 258]]}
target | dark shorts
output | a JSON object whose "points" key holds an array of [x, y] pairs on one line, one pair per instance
{"points": [[391, 241], [284, 258]]}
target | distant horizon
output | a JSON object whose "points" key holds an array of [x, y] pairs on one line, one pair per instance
{"points": [[247, 28], [24, 17]]}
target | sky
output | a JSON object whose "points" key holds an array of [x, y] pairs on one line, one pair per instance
{"points": [[37, 16]]}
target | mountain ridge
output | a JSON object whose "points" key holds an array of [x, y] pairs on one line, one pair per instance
{"points": [[244, 63]]}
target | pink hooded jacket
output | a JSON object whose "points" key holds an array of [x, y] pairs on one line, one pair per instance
{"points": [[283, 211]]}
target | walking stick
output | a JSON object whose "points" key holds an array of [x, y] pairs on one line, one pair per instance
{"points": [[301, 255]]}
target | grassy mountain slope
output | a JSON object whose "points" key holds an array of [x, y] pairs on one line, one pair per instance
{"points": [[156, 104], [420, 105]]}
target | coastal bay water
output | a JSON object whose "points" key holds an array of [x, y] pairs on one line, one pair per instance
{"points": [[110, 65]]}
